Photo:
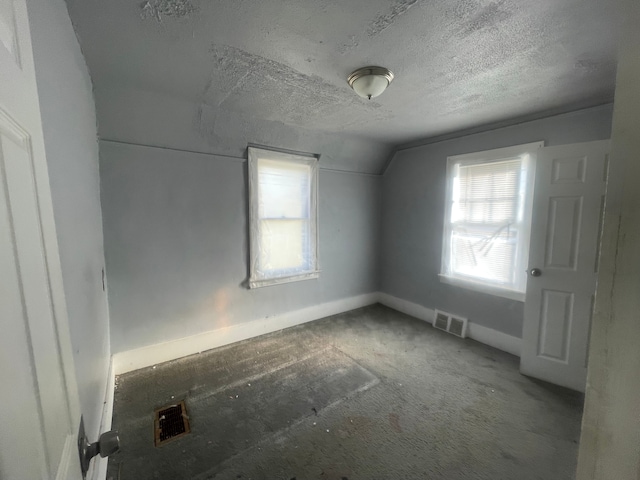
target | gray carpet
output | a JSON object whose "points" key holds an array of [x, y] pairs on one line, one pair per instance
{"points": [[369, 394]]}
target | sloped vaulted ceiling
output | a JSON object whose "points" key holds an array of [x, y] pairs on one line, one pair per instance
{"points": [[232, 72]]}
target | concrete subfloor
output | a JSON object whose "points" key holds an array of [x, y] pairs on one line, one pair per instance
{"points": [[368, 394]]}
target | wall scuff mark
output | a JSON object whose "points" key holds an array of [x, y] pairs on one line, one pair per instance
{"points": [[157, 9]]}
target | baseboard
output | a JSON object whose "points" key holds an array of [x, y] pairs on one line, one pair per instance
{"points": [[405, 306], [495, 338], [488, 336], [130, 360]]}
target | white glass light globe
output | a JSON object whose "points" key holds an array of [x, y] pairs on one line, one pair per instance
{"points": [[370, 86]]}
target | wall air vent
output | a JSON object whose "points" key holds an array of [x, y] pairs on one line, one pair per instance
{"points": [[441, 321], [448, 322]]}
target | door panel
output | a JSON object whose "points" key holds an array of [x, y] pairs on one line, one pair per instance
{"points": [[21, 415], [555, 325], [23, 204], [569, 170], [565, 231], [8, 32]]}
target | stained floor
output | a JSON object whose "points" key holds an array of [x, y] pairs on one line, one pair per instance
{"points": [[368, 394]]}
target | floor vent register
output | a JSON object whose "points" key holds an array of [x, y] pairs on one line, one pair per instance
{"points": [[171, 422]]}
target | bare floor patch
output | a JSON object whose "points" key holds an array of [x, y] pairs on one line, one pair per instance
{"points": [[229, 420], [317, 402]]}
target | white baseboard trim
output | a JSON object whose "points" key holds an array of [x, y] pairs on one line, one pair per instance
{"points": [[405, 306], [495, 339], [98, 468], [130, 360], [488, 336]]}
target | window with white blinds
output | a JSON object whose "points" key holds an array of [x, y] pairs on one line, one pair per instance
{"points": [[283, 217], [488, 218]]}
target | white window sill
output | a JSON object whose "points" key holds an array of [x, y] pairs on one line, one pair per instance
{"points": [[267, 282], [483, 287]]}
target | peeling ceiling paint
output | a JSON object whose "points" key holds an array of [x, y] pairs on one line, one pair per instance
{"points": [[459, 64], [157, 9], [385, 20], [245, 81]]}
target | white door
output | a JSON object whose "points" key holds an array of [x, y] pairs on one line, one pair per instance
{"points": [[39, 417], [565, 235]]}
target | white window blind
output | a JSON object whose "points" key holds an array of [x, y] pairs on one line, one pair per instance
{"points": [[283, 217], [484, 220], [487, 223]]}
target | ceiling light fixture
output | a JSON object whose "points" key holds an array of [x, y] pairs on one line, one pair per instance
{"points": [[369, 82]]}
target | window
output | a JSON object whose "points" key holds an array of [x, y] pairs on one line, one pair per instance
{"points": [[283, 217], [488, 220]]}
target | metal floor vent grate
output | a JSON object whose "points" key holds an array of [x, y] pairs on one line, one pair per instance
{"points": [[171, 422], [450, 323]]}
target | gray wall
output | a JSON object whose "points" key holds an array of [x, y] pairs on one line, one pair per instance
{"points": [[413, 215], [176, 241], [69, 124]]}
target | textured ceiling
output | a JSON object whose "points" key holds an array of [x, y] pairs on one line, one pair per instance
{"points": [[459, 64]]}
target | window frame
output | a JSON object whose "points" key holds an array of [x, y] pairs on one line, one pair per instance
{"points": [[256, 279], [528, 154]]}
